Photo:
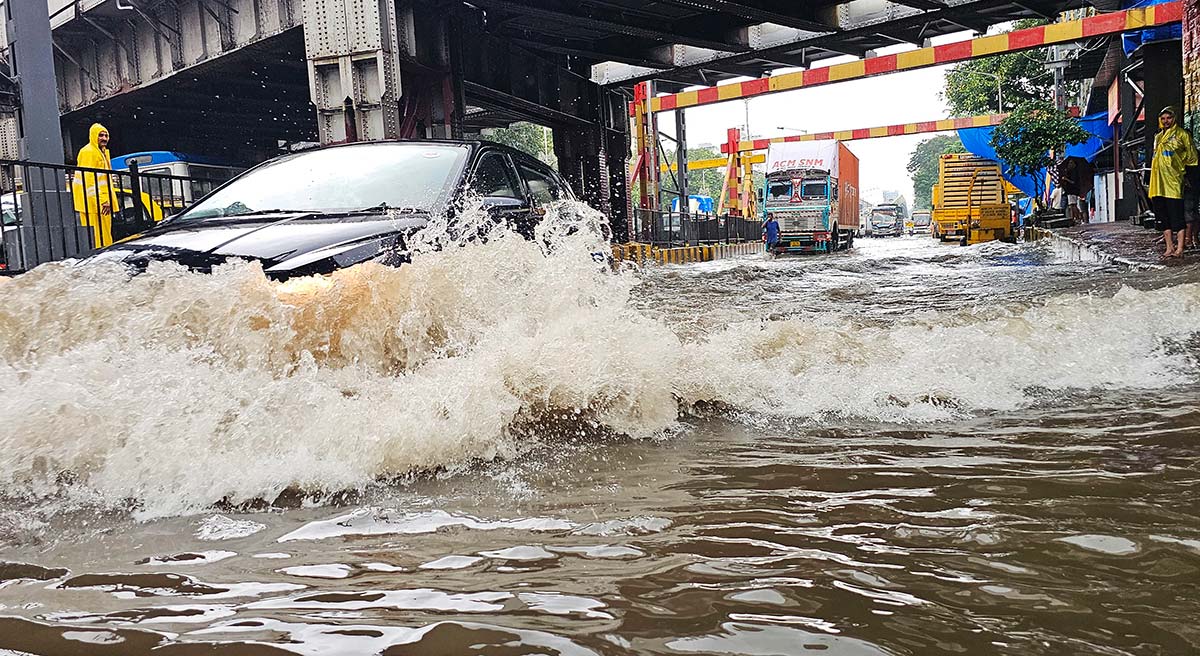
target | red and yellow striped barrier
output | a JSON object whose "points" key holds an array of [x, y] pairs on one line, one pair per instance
{"points": [[984, 46], [921, 127]]}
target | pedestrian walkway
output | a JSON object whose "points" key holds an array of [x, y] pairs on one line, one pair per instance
{"points": [[1120, 242]]}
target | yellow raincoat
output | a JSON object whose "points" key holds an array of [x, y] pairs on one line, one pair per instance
{"points": [[1173, 151], [93, 195]]}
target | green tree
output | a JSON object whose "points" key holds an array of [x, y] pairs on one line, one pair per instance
{"points": [[705, 182], [971, 87], [526, 137], [1025, 139], [923, 166]]}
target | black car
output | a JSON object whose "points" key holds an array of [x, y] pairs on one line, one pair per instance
{"points": [[333, 207]]}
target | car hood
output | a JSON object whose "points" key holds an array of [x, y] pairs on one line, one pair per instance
{"points": [[287, 244]]}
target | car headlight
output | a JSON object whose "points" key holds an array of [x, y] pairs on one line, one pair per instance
{"points": [[304, 286], [388, 249]]}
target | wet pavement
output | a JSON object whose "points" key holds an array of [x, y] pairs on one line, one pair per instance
{"points": [[1124, 242], [911, 448]]}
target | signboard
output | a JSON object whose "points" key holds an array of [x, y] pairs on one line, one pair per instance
{"points": [[791, 155]]}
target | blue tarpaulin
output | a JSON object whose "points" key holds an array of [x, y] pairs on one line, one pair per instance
{"points": [[1130, 41], [696, 203], [978, 141]]}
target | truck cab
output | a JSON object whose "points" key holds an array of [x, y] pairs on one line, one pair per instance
{"points": [[802, 201], [887, 220], [811, 190], [920, 221]]}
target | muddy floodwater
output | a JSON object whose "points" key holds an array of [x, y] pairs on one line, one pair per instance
{"points": [[908, 448]]}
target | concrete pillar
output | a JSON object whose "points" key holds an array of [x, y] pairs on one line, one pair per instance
{"points": [[620, 207], [362, 90], [353, 50], [48, 229], [594, 161], [33, 62], [1162, 74]]}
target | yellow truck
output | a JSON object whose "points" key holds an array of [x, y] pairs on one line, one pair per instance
{"points": [[970, 202]]}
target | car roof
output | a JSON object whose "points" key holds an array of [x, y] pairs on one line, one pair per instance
{"points": [[474, 144]]}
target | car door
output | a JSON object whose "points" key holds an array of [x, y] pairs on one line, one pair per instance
{"points": [[495, 179], [543, 187]]}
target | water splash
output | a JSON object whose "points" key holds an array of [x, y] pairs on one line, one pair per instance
{"points": [[170, 391]]}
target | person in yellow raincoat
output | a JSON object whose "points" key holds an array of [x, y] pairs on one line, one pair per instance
{"points": [[92, 192], [1173, 152]]}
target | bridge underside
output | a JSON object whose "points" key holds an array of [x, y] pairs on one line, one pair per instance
{"points": [[238, 108], [238, 78]]}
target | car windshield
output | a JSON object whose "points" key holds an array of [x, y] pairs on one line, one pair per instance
{"points": [[415, 176]]}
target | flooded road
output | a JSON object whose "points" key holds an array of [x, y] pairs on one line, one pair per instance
{"points": [[909, 448]]}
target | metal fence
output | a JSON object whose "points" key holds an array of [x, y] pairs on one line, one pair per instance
{"points": [[57, 211], [675, 229]]}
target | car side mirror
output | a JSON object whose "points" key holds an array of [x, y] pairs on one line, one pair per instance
{"points": [[497, 204]]}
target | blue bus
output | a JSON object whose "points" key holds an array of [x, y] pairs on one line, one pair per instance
{"points": [[210, 172]]}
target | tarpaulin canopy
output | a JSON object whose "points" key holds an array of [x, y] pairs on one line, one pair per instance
{"points": [[978, 141], [1131, 41]]}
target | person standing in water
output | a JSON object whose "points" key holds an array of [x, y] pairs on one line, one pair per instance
{"points": [[771, 231], [1173, 153]]}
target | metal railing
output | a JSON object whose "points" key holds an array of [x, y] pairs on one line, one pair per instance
{"points": [[668, 229], [57, 211]]}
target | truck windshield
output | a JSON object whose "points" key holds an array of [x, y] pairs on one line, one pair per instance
{"points": [[779, 191], [814, 189]]}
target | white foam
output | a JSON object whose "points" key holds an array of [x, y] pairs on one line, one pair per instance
{"points": [[178, 390], [377, 521], [220, 527]]}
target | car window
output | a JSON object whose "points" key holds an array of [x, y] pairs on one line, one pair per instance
{"points": [[493, 177], [543, 188]]}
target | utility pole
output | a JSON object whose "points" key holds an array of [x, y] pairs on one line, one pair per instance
{"points": [[48, 228], [32, 57], [1057, 64]]}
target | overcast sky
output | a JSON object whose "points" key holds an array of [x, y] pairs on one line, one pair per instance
{"points": [[885, 100]]}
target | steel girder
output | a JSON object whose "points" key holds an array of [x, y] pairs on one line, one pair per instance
{"points": [[103, 51], [856, 28]]}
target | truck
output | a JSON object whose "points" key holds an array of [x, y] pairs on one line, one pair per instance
{"points": [[920, 221], [811, 189], [887, 220], [970, 202]]}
